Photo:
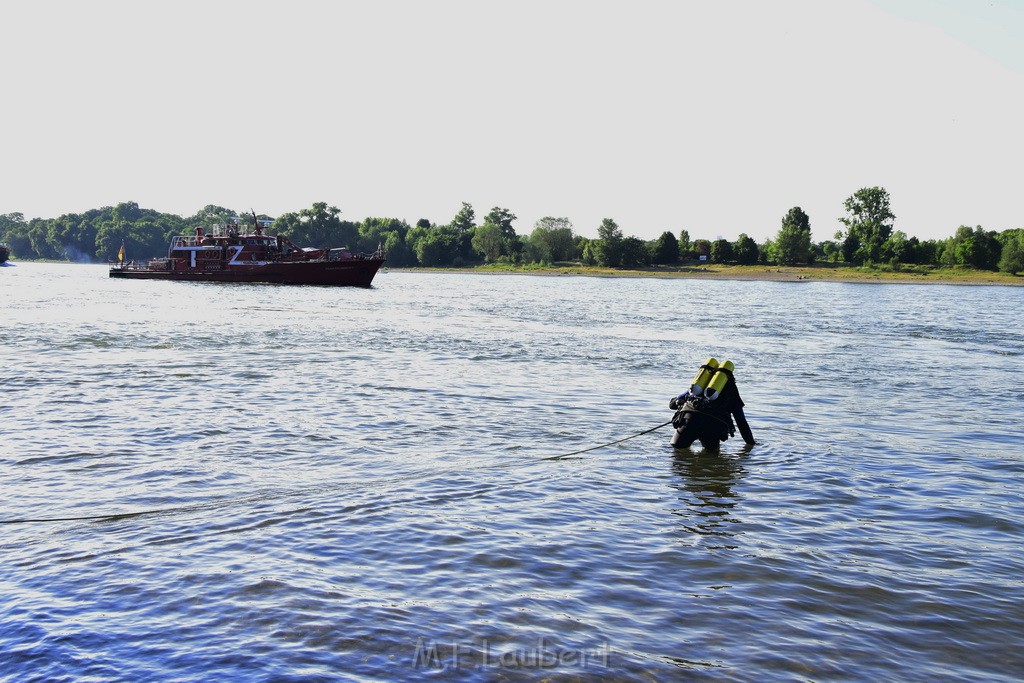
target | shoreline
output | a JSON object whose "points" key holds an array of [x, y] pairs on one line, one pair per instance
{"points": [[796, 274]]}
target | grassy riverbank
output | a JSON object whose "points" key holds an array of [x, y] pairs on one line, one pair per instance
{"points": [[912, 274]]}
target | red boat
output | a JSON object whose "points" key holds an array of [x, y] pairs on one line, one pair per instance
{"points": [[226, 255]]}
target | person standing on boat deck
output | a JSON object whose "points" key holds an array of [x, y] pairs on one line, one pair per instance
{"points": [[708, 415]]}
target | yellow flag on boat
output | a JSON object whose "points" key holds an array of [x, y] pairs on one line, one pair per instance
{"points": [[120, 253]]}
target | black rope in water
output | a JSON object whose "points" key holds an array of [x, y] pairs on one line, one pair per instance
{"points": [[89, 518], [142, 513], [610, 443]]}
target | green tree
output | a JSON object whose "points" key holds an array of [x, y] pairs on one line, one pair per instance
{"points": [[73, 236], [848, 246], [685, 245], [552, 240], [745, 250], [318, 226], [288, 224], [464, 225], [702, 247], [503, 218], [14, 231], [431, 251], [973, 248], [793, 242], [721, 251], [489, 241], [109, 238], [210, 215], [438, 246], [9, 222], [413, 238], [796, 218], [496, 238], [989, 247], [608, 252], [37, 231], [399, 254], [869, 223], [666, 249], [465, 219], [588, 251], [911, 251], [149, 237], [634, 253], [373, 232], [928, 252], [127, 212], [830, 251], [898, 248], [1011, 259]]}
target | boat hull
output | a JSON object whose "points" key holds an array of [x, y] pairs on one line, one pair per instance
{"points": [[349, 273]]}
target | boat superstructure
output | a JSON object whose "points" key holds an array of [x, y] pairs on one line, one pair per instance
{"points": [[232, 252]]}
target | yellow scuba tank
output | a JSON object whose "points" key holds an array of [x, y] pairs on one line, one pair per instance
{"points": [[700, 382], [718, 382]]}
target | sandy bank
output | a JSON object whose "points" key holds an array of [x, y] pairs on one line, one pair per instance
{"points": [[943, 276]]}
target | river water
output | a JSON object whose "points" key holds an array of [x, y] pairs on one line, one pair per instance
{"points": [[255, 482]]}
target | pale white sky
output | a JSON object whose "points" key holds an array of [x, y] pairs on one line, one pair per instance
{"points": [[716, 117]]}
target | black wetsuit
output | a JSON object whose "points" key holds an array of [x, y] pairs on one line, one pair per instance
{"points": [[711, 422]]}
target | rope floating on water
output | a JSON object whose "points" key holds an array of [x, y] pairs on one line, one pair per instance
{"points": [[87, 518], [610, 443], [141, 513]]}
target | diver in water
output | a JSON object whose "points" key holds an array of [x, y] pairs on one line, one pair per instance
{"points": [[706, 411]]}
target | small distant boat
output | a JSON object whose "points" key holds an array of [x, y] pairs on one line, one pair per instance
{"points": [[227, 254], [5, 252]]}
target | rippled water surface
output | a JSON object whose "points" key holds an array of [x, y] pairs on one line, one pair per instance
{"points": [[253, 482]]}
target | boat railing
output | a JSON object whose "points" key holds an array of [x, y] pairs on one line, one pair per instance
{"points": [[342, 254], [336, 255], [150, 264], [181, 241]]}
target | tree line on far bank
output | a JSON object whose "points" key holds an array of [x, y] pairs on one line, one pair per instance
{"points": [[867, 238]]}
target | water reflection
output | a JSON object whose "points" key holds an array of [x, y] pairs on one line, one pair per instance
{"points": [[705, 482]]}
